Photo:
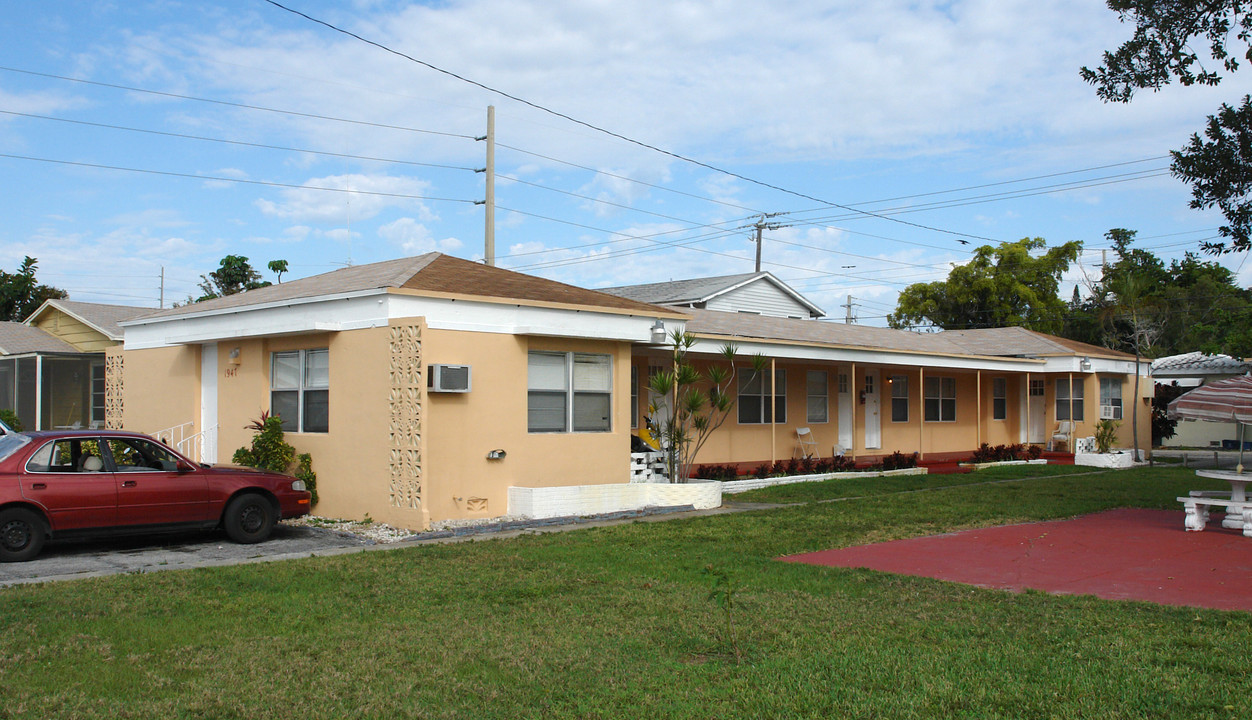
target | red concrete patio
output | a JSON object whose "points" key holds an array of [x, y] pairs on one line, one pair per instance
{"points": [[1125, 554]]}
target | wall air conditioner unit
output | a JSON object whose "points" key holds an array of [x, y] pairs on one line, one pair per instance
{"points": [[1110, 412], [448, 378]]}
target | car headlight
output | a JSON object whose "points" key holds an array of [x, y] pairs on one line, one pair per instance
{"points": [[298, 485]]}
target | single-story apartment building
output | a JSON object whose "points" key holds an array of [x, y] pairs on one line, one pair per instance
{"points": [[426, 387]]}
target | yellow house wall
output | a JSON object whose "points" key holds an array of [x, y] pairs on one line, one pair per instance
{"points": [[462, 428], [72, 331], [162, 388]]}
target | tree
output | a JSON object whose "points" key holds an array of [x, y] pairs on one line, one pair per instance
{"points": [[278, 267], [1000, 286], [21, 294], [1219, 170], [234, 276], [691, 404]]}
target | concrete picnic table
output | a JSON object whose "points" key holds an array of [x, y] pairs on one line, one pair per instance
{"points": [[1238, 509]]}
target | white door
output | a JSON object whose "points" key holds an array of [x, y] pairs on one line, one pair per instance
{"points": [[845, 412], [1037, 410], [873, 423]]}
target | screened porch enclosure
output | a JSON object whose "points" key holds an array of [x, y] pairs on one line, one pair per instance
{"points": [[51, 391]]}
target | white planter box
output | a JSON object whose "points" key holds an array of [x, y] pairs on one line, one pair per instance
{"points": [[998, 463], [580, 500], [1115, 459]]}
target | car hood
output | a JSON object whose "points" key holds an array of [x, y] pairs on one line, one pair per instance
{"points": [[238, 469]]}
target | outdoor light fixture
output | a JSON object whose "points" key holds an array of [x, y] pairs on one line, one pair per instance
{"points": [[496, 455], [234, 356], [658, 333], [1086, 363]]}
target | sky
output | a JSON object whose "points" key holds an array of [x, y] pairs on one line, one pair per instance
{"points": [[142, 141]]}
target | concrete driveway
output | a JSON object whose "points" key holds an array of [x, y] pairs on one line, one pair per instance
{"points": [[92, 558]]}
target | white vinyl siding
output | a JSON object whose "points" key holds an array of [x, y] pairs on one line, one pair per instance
{"points": [[762, 297]]}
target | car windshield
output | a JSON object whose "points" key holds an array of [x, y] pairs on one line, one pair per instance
{"points": [[10, 443]]}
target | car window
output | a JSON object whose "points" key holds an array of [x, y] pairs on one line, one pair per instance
{"points": [[137, 455], [10, 443], [69, 455]]}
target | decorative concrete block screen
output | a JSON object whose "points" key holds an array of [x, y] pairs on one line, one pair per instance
{"points": [[405, 406]]}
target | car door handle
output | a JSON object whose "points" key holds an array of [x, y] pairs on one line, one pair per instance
{"points": [[39, 486], [129, 483]]}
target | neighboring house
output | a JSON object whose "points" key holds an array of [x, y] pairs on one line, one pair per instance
{"points": [[754, 293], [52, 365], [1191, 370]]}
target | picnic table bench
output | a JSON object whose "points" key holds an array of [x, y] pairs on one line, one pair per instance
{"points": [[1197, 505]]}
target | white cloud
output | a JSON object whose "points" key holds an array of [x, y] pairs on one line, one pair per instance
{"points": [[415, 238], [353, 197]]}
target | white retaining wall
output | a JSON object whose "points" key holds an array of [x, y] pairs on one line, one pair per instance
{"points": [[738, 486], [581, 500]]}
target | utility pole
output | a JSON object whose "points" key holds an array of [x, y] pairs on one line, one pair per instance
{"points": [[761, 225], [489, 204], [162, 306], [848, 319]]}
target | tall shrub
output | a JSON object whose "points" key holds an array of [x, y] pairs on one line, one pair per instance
{"points": [[269, 451]]}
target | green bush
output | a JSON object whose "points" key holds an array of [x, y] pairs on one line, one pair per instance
{"points": [[10, 418], [1106, 435], [271, 452]]}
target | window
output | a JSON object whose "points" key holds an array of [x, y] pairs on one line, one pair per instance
{"points": [[67, 456], [1036, 388], [569, 390], [940, 399], [818, 395], [97, 395], [843, 383], [754, 392], [899, 398], [300, 390], [1069, 398], [999, 399], [136, 455], [1110, 398]]}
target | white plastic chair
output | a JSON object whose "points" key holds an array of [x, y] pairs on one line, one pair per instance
{"points": [[1064, 429], [805, 443]]}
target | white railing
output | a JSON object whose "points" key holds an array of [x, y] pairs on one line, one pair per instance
{"points": [[200, 446]]}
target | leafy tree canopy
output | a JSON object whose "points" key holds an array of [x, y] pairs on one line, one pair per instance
{"points": [[234, 276], [21, 294], [1219, 167], [1000, 286]]}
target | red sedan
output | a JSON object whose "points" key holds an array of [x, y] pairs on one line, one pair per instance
{"points": [[92, 482]]}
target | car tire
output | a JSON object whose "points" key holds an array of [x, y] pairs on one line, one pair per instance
{"points": [[248, 519], [22, 534]]}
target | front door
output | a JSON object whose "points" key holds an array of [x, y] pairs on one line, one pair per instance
{"points": [[845, 412], [1037, 409], [873, 422]]}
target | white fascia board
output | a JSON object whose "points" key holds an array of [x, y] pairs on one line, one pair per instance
{"points": [[869, 356], [325, 314], [1073, 364], [506, 319]]}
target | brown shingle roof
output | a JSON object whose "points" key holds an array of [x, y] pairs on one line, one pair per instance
{"points": [[432, 272], [104, 318], [17, 338], [1020, 341]]}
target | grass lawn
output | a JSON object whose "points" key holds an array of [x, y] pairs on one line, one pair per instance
{"points": [[617, 622]]}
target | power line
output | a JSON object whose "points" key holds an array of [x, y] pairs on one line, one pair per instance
{"points": [[227, 103], [266, 183], [234, 142], [617, 135]]}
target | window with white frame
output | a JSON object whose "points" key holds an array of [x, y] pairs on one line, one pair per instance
{"points": [[1110, 398], [754, 394], [634, 397], [939, 394], [1069, 399], [843, 383], [817, 391], [999, 398], [569, 392], [899, 398], [300, 390]]}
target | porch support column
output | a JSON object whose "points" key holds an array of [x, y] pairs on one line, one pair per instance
{"points": [[921, 413], [773, 415], [1029, 407], [39, 392], [978, 397], [856, 402]]}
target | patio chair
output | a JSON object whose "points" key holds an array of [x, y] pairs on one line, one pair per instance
{"points": [[805, 443], [1063, 433]]}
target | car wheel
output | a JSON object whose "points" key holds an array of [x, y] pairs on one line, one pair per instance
{"points": [[22, 534], [248, 518]]}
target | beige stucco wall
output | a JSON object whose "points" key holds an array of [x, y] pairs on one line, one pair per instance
{"points": [[162, 388], [461, 428]]}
